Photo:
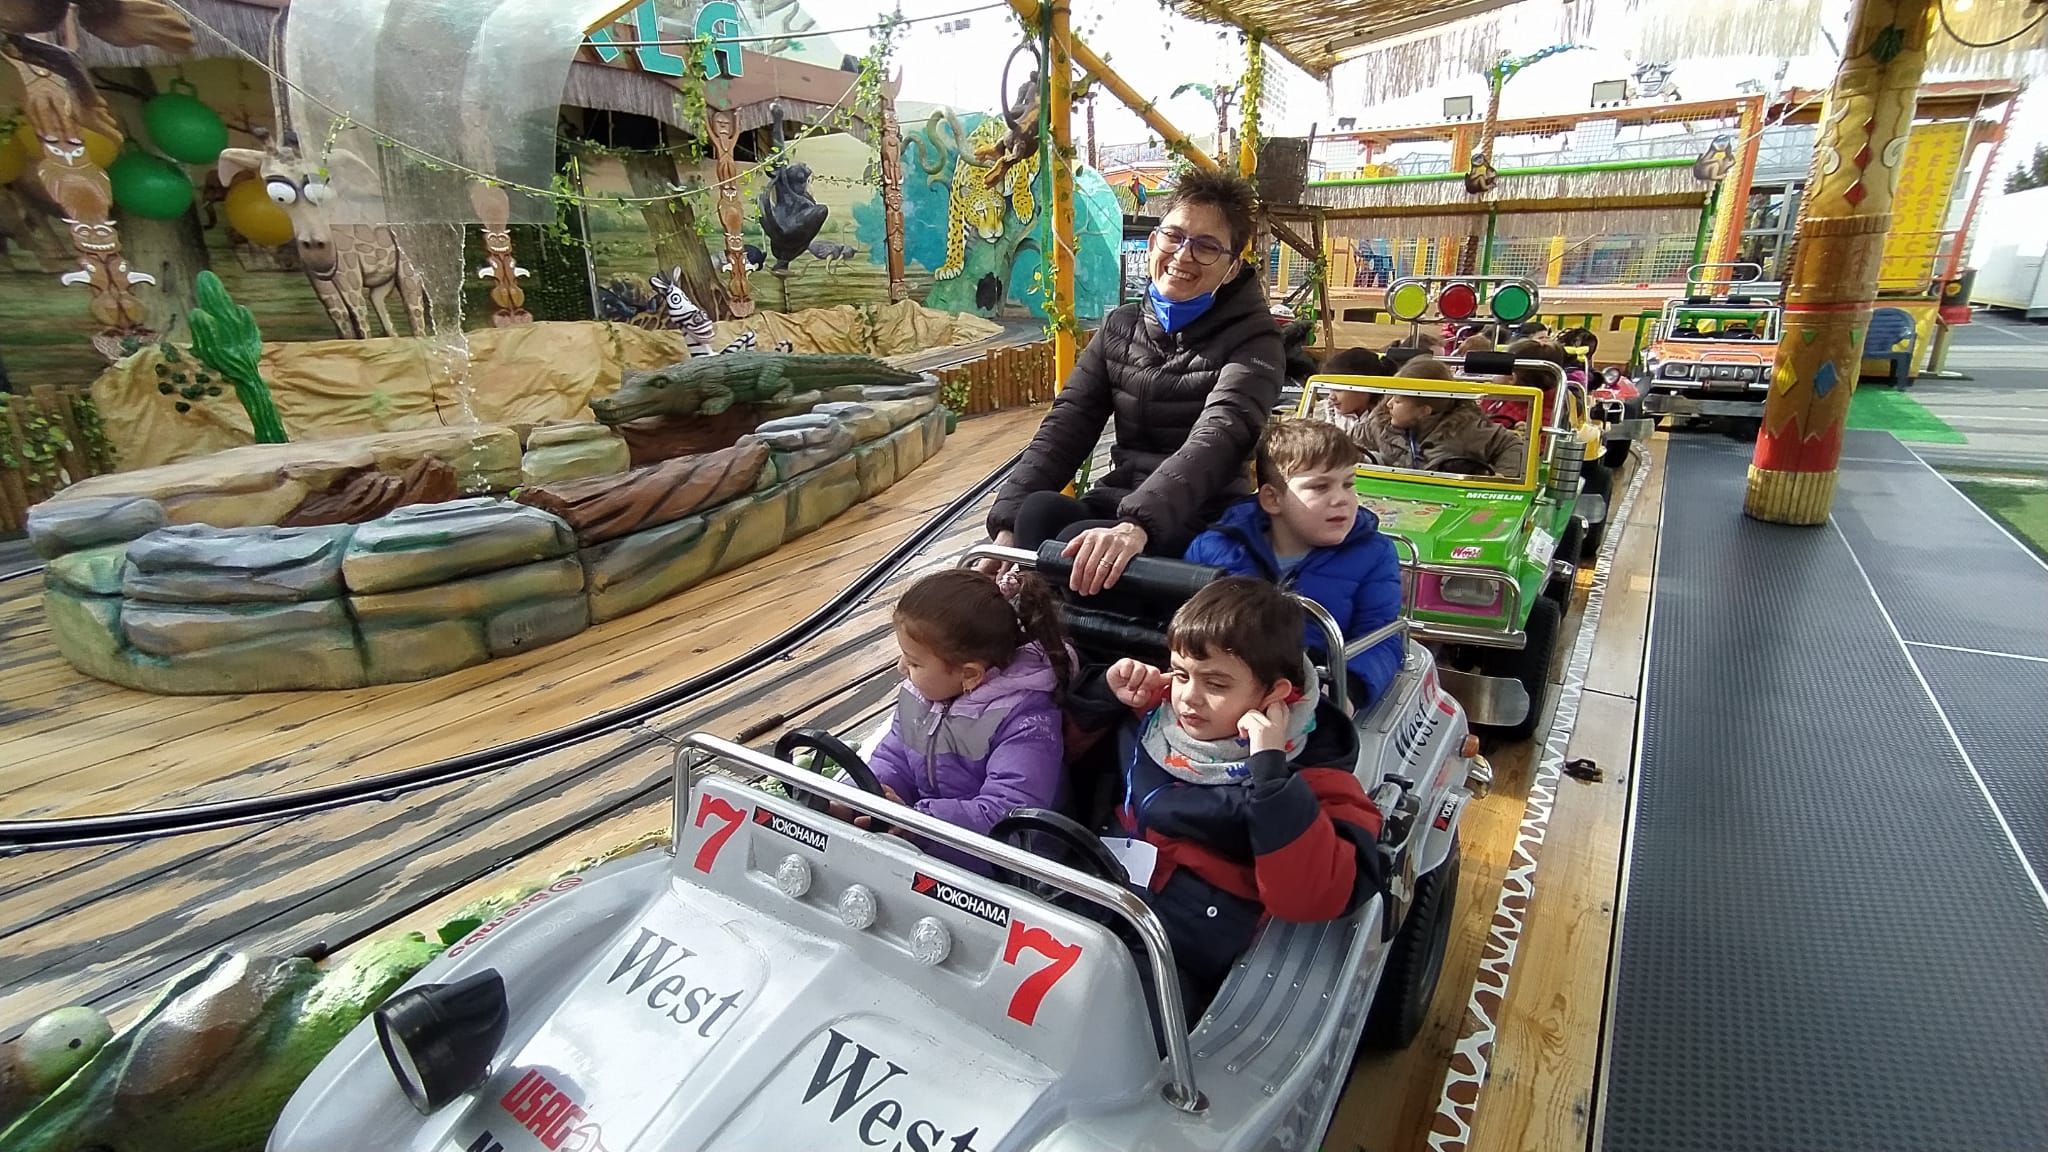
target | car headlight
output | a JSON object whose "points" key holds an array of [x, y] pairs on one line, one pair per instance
{"points": [[1651, 362], [440, 1039], [1611, 376], [1470, 591], [1678, 371], [1749, 375]]}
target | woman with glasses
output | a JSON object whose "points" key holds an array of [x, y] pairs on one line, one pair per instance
{"points": [[1187, 375]]}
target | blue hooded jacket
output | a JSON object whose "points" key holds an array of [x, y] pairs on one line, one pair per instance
{"points": [[1359, 581]]}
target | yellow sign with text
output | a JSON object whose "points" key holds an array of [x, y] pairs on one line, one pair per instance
{"points": [[1927, 181]]}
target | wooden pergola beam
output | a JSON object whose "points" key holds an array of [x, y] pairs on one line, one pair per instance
{"points": [[1095, 66]]}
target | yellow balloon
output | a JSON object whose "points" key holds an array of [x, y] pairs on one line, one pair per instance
{"points": [[256, 216], [101, 150]]}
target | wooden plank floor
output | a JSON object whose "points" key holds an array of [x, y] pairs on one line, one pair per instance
{"points": [[72, 745], [105, 925], [1539, 1090]]}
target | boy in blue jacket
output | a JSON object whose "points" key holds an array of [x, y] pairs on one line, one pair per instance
{"points": [[1305, 530]]}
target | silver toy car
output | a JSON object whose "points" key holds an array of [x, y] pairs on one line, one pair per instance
{"points": [[781, 979]]}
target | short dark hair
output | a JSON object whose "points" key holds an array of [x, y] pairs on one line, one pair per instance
{"points": [[1244, 617], [1531, 349], [1292, 447], [1226, 192], [1356, 362]]}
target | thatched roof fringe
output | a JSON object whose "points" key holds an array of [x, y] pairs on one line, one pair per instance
{"points": [[244, 26], [1541, 186]]}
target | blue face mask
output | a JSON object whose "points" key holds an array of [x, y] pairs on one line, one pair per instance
{"points": [[1175, 315]]}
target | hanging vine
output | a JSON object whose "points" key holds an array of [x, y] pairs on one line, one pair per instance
{"points": [[1253, 89], [34, 453]]}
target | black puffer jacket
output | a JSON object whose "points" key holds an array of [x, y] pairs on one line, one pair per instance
{"points": [[1189, 407]]}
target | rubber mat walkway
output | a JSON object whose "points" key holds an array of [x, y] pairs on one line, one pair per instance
{"points": [[1834, 933]]}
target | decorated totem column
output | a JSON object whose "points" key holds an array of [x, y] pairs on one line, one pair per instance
{"points": [[724, 127], [1832, 285], [892, 198]]}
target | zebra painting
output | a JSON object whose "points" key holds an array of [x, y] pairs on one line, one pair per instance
{"points": [[676, 311], [748, 342]]}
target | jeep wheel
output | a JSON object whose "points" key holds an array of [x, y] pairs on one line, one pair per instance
{"points": [[1599, 481], [1408, 983], [1531, 665], [1559, 586]]}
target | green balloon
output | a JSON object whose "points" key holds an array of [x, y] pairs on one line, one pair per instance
{"points": [[149, 187], [185, 129]]}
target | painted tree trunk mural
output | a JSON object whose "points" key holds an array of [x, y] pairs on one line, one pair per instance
{"points": [[673, 226]]}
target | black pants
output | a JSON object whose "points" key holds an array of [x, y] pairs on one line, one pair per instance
{"points": [[1057, 516]]}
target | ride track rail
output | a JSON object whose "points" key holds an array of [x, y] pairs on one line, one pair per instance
{"points": [[20, 836]]}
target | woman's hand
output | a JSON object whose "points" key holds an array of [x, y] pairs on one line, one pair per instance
{"points": [[1100, 555], [1004, 539], [1265, 729], [1137, 685]]}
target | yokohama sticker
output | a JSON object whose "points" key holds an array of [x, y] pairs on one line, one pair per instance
{"points": [[965, 901], [802, 833]]}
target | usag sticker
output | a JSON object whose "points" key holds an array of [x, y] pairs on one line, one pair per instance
{"points": [[803, 834]]}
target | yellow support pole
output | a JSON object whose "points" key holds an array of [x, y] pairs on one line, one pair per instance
{"points": [[1060, 65], [1553, 268], [1837, 255], [1094, 66], [1248, 104]]}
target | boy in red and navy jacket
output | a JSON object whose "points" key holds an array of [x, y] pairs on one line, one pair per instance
{"points": [[1240, 798]]}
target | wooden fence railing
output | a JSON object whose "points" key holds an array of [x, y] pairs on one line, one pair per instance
{"points": [[1005, 378], [49, 438]]}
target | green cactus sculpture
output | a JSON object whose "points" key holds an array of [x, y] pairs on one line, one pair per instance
{"points": [[225, 339]]}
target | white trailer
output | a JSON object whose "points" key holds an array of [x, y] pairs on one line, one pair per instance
{"points": [[2007, 247]]}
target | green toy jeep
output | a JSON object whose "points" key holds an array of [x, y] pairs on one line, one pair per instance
{"points": [[1489, 558]]}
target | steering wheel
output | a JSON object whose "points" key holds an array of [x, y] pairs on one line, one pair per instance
{"points": [[1464, 466], [825, 746], [1059, 838]]}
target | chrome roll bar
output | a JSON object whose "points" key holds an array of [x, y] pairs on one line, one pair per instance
{"points": [[1333, 634], [1180, 1090]]}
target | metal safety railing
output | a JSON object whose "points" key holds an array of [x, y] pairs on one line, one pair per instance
{"points": [[1180, 1089]]}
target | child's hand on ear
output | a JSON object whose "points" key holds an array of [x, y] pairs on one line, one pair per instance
{"points": [[1265, 729], [1137, 685]]}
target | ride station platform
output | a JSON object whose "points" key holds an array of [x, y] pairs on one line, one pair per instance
{"points": [[1833, 932]]}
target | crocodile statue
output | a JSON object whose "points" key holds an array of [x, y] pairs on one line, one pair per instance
{"points": [[209, 1065], [212, 1060], [709, 385]]}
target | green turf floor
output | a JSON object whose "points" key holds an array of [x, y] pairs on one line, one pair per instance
{"points": [[2022, 509], [1877, 408]]}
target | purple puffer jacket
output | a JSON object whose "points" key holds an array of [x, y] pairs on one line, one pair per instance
{"points": [[970, 760]]}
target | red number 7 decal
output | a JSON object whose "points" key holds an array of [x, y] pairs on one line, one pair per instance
{"points": [[1031, 991], [711, 807]]}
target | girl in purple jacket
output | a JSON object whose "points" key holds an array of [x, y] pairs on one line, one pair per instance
{"points": [[978, 729]]}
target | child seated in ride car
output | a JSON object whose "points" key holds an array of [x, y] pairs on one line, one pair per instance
{"points": [[1305, 530], [1439, 433], [978, 730], [1515, 413], [1348, 410], [1240, 798]]}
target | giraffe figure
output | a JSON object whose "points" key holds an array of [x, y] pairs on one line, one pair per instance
{"points": [[354, 268]]}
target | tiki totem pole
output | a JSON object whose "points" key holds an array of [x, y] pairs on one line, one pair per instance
{"points": [[501, 267], [724, 127], [60, 103], [892, 198], [1836, 256]]}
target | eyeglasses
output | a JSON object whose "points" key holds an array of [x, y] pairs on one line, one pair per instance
{"points": [[1202, 250]]}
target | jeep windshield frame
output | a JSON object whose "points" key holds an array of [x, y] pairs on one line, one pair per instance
{"points": [[1321, 385]]}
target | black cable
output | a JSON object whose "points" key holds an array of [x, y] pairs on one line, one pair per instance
{"points": [[1941, 9], [18, 836]]}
